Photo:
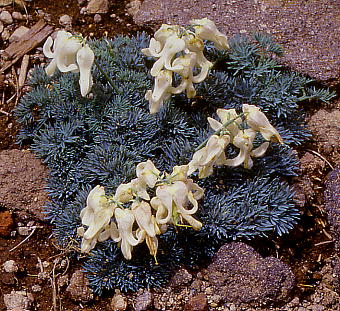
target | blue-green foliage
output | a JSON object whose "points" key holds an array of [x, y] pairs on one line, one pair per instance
{"points": [[100, 139]]}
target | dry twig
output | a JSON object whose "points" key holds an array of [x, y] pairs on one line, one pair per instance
{"points": [[25, 239]]}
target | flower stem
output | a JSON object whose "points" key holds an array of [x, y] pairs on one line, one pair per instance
{"points": [[219, 130], [106, 76]]}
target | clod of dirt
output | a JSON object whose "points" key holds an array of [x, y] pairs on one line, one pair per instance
{"points": [[181, 277], [143, 301], [6, 223], [22, 183], [241, 275], [10, 266], [78, 288], [197, 303], [18, 299], [118, 302], [325, 128], [97, 6]]}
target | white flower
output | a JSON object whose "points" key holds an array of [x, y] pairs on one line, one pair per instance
{"points": [[244, 141], [161, 91], [154, 48], [147, 172], [97, 213], [70, 54], [164, 32], [210, 155], [173, 45], [124, 232], [145, 220], [226, 115], [135, 188], [170, 204], [258, 121], [64, 55], [207, 30], [85, 59]]}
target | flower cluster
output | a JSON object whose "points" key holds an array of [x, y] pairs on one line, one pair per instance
{"points": [[229, 131], [131, 216], [70, 54], [180, 50]]}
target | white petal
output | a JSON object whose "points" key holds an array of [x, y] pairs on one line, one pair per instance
{"points": [[85, 59], [51, 67], [47, 48]]}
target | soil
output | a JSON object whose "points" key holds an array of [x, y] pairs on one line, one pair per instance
{"points": [[44, 269]]}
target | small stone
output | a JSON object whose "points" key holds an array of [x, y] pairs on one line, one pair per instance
{"points": [[5, 34], [181, 277], [1, 26], [232, 307], [82, 2], [133, 7], [97, 18], [18, 299], [18, 33], [65, 20], [316, 307], [143, 301], [5, 2], [18, 16], [118, 302], [197, 303], [78, 288], [6, 17], [63, 281], [36, 288], [97, 6], [24, 231], [10, 266]]}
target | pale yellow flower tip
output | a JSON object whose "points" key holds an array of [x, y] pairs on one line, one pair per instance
{"points": [[207, 30], [97, 213], [258, 121], [148, 172]]}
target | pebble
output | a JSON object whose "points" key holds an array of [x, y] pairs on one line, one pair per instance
{"points": [[97, 6], [36, 288], [118, 302], [5, 34], [82, 2], [18, 16], [65, 20], [24, 231], [1, 26], [143, 301], [10, 266], [6, 17], [18, 299], [97, 18], [78, 288]]}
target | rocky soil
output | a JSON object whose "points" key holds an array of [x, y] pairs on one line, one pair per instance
{"points": [[298, 272]]}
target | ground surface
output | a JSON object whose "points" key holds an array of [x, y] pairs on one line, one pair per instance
{"points": [[44, 270]]}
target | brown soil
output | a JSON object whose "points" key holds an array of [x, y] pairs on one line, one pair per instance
{"points": [[41, 262]]}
